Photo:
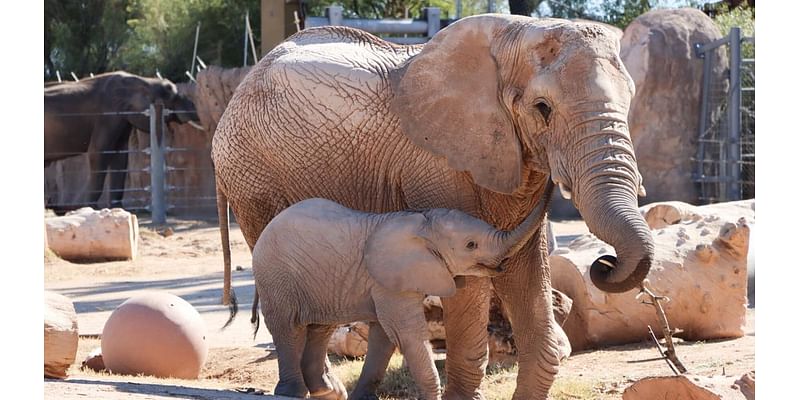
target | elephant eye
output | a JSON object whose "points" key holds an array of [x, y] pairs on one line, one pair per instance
{"points": [[543, 109], [472, 245]]}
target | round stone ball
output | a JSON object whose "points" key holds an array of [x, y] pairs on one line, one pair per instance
{"points": [[156, 334]]}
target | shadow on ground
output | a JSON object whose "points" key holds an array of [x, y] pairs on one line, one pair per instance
{"points": [[113, 390], [200, 291]]}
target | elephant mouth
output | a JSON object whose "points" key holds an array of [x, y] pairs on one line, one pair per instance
{"points": [[494, 269]]}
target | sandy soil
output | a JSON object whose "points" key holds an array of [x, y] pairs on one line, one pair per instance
{"points": [[188, 262]]}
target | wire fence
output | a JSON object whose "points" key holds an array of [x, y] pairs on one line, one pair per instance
{"points": [[725, 162], [187, 175]]}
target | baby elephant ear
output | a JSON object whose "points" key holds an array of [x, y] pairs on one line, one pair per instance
{"points": [[400, 258]]}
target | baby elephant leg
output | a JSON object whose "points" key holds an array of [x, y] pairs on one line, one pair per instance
{"points": [[402, 317], [289, 343], [419, 358], [321, 383], [379, 353]]}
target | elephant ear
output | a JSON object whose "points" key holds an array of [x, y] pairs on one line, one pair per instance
{"points": [[400, 258], [447, 99]]}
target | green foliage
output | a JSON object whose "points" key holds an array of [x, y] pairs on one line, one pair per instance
{"points": [[83, 36], [620, 13], [404, 8], [570, 9], [142, 36], [745, 18], [164, 31]]}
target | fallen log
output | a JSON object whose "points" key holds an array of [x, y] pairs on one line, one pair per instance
{"points": [[700, 265], [94, 235], [690, 387]]}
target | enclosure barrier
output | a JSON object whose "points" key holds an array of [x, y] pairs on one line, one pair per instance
{"points": [[428, 25], [142, 193], [725, 162]]}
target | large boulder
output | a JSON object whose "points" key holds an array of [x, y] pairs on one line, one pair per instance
{"points": [[700, 264], [657, 49], [215, 87], [60, 335]]}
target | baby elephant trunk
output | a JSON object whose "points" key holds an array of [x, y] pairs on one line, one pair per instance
{"points": [[510, 242]]}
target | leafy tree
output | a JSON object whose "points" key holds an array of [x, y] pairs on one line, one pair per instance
{"points": [[163, 35], [83, 36], [570, 9], [397, 8], [621, 12], [742, 16]]}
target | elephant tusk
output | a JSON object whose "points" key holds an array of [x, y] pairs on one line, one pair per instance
{"points": [[195, 125], [642, 192], [565, 192]]}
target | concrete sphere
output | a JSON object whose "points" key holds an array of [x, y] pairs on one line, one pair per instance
{"points": [[156, 334]]}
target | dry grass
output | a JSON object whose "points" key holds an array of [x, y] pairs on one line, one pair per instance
{"points": [[499, 383], [254, 368]]}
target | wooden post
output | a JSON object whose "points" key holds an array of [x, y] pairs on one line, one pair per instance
{"points": [[277, 22]]}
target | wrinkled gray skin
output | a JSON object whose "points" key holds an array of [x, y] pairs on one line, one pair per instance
{"points": [[72, 125], [474, 120], [319, 264]]}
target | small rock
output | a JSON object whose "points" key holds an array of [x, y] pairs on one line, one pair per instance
{"points": [[239, 268], [747, 384], [94, 361]]}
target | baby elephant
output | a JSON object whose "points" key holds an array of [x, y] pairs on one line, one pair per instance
{"points": [[318, 265]]}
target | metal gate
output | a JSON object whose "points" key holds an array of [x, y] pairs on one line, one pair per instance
{"points": [[148, 175], [726, 156]]}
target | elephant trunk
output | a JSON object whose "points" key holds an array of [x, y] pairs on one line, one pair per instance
{"points": [[605, 194], [510, 242]]}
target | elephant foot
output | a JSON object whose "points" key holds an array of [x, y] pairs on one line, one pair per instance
{"points": [[368, 396], [462, 396], [329, 394], [333, 390], [364, 394], [291, 389]]}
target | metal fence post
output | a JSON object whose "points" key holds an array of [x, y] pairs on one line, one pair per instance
{"points": [[734, 117], [433, 15], [157, 205], [335, 15]]}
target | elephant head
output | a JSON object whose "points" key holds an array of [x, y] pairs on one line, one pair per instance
{"points": [[499, 96], [134, 93], [427, 251]]}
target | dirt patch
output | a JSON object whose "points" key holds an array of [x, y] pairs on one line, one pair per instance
{"points": [[188, 262]]}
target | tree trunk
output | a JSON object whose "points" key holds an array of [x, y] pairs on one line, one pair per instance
{"points": [[522, 7]]}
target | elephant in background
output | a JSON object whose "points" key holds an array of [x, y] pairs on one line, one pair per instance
{"points": [[72, 125], [475, 120], [388, 262]]}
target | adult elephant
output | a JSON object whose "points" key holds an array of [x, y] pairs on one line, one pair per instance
{"points": [[476, 119], [81, 117]]}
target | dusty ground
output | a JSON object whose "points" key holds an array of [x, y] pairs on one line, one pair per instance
{"points": [[188, 263]]}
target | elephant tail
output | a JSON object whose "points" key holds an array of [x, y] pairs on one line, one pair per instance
{"points": [[254, 318], [224, 231], [233, 308]]}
